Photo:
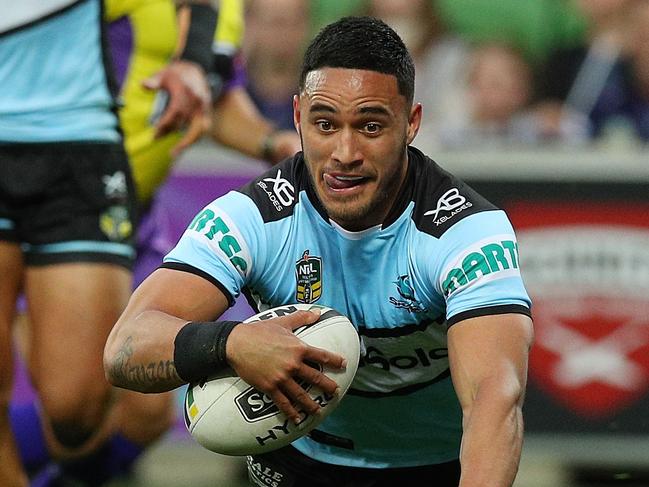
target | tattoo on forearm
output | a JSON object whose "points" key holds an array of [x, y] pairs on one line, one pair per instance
{"points": [[151, 377]]}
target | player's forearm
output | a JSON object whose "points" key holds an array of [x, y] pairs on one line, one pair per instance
{"points": [[139, 353], [493, 438], [238, 124]]}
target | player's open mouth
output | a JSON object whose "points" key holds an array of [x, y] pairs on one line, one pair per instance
{"points": [[343, 183]]}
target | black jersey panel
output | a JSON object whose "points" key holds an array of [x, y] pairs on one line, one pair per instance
{"points": [[275, 192], [441, 199], [177, 266]]}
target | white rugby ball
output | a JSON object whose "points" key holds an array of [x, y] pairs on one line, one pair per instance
{"points": [[228, 416]]}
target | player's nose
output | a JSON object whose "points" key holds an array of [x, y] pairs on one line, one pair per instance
{"points": [[347, 149]]}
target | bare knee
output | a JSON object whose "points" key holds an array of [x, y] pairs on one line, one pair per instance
{"points": [[76, 414]]}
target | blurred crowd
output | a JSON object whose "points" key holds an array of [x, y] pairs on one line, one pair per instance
{"points": [[513, 73]]}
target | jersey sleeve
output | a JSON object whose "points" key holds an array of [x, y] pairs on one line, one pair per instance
{"points": [[479, 272], [224, 241]]}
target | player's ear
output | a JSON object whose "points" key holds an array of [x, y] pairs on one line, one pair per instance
{"points": [[414, 121], [296, 113]]}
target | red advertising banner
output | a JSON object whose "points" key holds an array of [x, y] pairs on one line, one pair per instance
{"points": [[586, 267]]}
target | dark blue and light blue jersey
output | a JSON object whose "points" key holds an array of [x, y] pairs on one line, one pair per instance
{"points": [[443, 254], [55, 83]]}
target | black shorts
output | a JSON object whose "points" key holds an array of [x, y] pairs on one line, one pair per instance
{"points": [[287, 467], [68, 202]]}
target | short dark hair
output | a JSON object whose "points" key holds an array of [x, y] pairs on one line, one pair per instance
{"points": [[361, 43]]}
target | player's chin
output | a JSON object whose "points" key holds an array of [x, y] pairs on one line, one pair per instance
{"points": [[351, 211]]}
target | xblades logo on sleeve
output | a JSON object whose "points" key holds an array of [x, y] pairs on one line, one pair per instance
{"points": [[282, 193], [452, 202]]}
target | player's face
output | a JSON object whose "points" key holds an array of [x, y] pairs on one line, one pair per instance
{"points": [[355, 127]]}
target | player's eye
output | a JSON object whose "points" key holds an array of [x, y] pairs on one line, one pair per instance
{"points": [[372, 128], [325, 125]]}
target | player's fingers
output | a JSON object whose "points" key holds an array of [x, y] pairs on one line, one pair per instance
{"points": [[315, 377], [173, 118], [284, 404], [204, 101], [300, 399], [194, 132], [182, 108], [325, 357], [300, 318], [193, 99]]}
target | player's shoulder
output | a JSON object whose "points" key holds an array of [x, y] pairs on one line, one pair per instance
{"points": [[275, 192], [441, 199]]}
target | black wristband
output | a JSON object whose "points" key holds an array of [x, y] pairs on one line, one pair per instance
{"points": [[199, 349], [200, 36], [222, 72]]}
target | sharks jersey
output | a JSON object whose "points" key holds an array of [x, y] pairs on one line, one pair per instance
{"points": [[443, 254], [56, 80]]}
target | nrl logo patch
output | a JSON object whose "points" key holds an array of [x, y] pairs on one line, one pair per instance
{"points": [[308, 275], [116, 224], [407, 295]]}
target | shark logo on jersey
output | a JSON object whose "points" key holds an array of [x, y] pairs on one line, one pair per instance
{"points": [[281, 194], [308, 274], [407, 293], [452, 202]]}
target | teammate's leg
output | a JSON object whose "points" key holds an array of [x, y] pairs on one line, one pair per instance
{"points": [[139, 420], [76, 216], [11, 473], [135, 421], [73, 306]]}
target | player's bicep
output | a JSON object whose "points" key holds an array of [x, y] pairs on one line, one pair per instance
{"points": [[490, 351], [179, 293]]}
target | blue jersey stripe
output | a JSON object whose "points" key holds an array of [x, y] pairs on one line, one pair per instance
{"points": [[82, 246]]}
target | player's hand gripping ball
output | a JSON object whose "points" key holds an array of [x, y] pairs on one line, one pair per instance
{"points": [[228, 416]]}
